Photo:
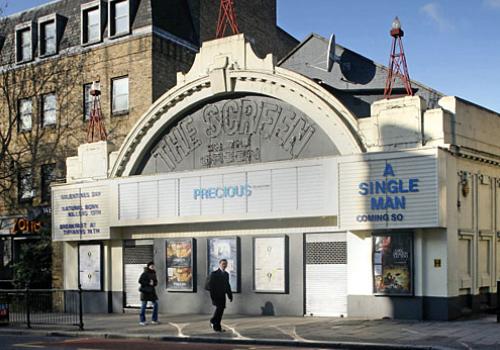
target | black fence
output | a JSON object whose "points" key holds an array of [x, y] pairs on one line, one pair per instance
{"points": [[41, 307]]}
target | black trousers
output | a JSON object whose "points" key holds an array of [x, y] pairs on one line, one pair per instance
{"points": [[217, 317]]}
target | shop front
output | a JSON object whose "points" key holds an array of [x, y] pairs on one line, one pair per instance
{"points": [[18, 236]]}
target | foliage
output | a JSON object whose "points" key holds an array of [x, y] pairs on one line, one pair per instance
{"points": [[33, 269]]}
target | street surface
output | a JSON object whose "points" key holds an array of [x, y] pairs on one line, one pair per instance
{"points": [[56, 343]]}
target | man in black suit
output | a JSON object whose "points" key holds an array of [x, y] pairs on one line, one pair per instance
{"points": [[219, 287]]}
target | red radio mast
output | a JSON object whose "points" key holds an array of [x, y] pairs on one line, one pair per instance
{"points": [[96, 130], [397, 62], [227, 15]]}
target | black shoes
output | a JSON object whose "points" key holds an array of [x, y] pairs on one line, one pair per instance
{"points": [[216, 329]]}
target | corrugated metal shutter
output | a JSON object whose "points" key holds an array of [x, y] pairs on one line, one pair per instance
{"points": [[134, 260], [326, 274]]}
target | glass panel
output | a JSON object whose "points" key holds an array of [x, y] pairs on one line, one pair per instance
{"points": [[120, 95], [26, 184], [49, 109], [25, 45], [49, 38], [121, 17], [25, 114], [93, 28]]}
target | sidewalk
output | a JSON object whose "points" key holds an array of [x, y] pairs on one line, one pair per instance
{"points": [[482, 333]]}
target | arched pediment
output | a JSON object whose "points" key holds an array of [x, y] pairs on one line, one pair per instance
{"points": [[234, 105]]}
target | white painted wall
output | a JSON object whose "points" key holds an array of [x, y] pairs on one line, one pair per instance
{"points": [[70, 265]]}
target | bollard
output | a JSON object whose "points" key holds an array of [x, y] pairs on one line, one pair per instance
{"points": [[80, 307], [27, 306]]}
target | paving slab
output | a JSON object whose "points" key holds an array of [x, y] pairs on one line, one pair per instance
{"points": [[348, 333]]}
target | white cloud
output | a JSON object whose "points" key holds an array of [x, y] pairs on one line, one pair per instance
{"points": [[492, 3], [431, 10]]}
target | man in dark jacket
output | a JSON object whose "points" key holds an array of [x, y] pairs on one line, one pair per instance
{"points": [[148, 282], [219, 287]]}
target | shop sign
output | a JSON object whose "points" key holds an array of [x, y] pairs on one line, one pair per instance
{"points": [[25, 226], [390, 193]]}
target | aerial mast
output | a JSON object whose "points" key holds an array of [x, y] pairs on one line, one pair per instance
{"points": [[227, 16], [96, 130], [397, 62]]}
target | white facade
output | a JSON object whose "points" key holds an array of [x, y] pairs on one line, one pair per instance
{"points": [[418, 187]]}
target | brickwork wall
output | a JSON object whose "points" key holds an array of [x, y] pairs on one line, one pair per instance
{"points": [[256, 18], [168, 59]]}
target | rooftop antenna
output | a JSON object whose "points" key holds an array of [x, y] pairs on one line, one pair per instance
{"points": [[397, 62], [330, 57], [227, 15], [96, 130]]}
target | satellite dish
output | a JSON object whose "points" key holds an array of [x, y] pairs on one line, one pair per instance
{"points": [[330, 58]]}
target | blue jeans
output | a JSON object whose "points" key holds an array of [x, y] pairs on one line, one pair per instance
{"points": [[143, 311]]}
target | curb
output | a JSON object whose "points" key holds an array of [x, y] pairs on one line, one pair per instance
{"points": [[211, 340]]}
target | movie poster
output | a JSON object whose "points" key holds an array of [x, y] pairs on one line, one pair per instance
{"points": [[392, 264], [225, 248], [89, 260], [180, 257], [269, 264]]}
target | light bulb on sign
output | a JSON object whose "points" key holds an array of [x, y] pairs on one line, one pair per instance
{"points": [[396, 24]]}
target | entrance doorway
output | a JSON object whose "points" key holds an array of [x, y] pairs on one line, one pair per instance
{"points": [[326, 274], [136, 254]]}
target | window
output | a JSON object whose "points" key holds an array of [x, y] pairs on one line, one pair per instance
{"points": [[88, 100], [119, 95], [119, 17], [91, 29], [49, 112], [25, 114], [23, 47], [48, 38], [48, 176], [25, 185]]}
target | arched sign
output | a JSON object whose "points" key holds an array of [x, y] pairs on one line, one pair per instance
{"points": [[243, 130]]}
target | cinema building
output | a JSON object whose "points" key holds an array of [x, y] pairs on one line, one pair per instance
{"points": [[325, 199]]}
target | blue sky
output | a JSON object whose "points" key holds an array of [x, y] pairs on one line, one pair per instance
{"points": [[452, 46]]}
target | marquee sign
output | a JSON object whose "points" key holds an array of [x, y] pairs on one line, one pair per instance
{"points": [[80, 212], [261, 191], [391, 193]]}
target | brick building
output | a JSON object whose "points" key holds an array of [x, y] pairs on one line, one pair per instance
{"points": [[51, 54]]}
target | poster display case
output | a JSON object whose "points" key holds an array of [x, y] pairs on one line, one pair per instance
{"points": [[393, 263], [90, 266], [180, 255], [225, 248], [270, 256]]}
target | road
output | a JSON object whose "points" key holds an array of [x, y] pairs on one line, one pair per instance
{"points": [[55, 343]]}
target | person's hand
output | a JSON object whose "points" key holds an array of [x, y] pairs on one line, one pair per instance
{"points": [[231, 300], [151, 282]]}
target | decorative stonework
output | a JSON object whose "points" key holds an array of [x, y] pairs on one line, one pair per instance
{"points": [[243, 130], [214, 78]]}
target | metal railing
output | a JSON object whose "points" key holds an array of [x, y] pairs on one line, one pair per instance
{"points": [[42, 307]]}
